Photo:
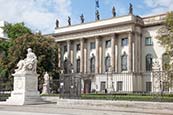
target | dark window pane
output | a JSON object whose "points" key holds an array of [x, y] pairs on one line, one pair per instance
{"points": [[149, 62], [107, 63], [124, 62], [78, 47], [92, 64], [92, 45], [108, 44], [148, 86], [103, 86], [78, 66], [148, 41], [124, 42], [65, 48], [119, 85]]}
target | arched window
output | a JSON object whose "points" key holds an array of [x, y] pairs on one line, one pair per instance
{"points": [[92, 64], [107, 63], [78, 65], [124, 62], [149, 61], [65, 65], [165, 61]]}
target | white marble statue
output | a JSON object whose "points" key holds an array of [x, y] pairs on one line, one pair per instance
{"points": [[25, 87], [29, 63], [46, 88]]}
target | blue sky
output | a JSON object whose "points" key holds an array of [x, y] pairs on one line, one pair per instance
{"points": [[41, 14]]}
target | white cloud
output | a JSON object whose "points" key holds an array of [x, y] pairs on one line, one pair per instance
{"points": [[159, 6], [37, 14]]}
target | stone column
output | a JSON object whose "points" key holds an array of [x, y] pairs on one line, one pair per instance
{"points": [[113, 53], [68, 49], [130, 52], [100, 57], [116, 54], [59, 56], [140, 52], [97, 55], [72, 53], [85, 57], [82, 55]]}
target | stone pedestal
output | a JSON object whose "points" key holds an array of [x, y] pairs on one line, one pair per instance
{"points": [[25, 89]]}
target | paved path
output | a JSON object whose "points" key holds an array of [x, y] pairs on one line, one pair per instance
{"points": [[53, 109]]}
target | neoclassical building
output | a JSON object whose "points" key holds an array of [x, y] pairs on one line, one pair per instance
{"points": [[115, 54]]}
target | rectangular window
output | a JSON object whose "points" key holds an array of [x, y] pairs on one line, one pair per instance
{"points": [[92, 45], [65, 48], [78, 66], [119, 85], [165, 86], [103, 86], [108, 44], [78, 47], [148, 41], [148, 86], [124, 41]]}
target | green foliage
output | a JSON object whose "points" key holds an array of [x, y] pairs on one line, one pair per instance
{"points": [[16, 30], [15, 49], [44, 48], [165, 36]]}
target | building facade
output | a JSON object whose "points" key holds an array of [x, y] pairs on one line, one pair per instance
{"points": [[113, 55]]}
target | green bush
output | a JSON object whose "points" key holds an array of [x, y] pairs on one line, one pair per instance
{"points": [[130, 97]]}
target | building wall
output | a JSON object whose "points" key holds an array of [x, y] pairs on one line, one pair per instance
{"points": [[136, 76]]}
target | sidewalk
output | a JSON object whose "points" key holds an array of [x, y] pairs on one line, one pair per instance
{"points": [[90, 107]]}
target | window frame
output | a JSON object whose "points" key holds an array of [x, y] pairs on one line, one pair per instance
{"points": [[77, 47], [92, 64], [92, 45], [107, 43], [78, 65], [102, 86], [148, 66], [119, 86], [124, 56], [148, 41], [65, 48], [124, 42], [107, 63], [148, 86]]}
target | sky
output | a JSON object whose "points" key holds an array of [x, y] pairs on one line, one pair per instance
{"points": [[40, 15]]}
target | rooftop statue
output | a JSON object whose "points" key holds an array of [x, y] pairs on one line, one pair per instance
{"points": [[82, 18], [113, 12], [28, 64], [130, 8], [69, 21], [57, 23], [97, 15]]}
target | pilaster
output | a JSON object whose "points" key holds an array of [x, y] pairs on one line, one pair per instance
{"points": [[97, 55], [82, 55]]}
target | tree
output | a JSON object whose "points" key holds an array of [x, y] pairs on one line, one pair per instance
{"points": [[165, 35], [45, 48], [16, 30], [21, 38]]}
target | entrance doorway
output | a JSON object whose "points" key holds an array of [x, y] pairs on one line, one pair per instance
{"points": [[87, 86]]}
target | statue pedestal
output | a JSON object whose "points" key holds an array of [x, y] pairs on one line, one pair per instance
{"points": [[25, 89]]}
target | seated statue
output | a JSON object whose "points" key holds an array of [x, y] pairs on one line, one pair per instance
{"points": [[29, 63]]}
